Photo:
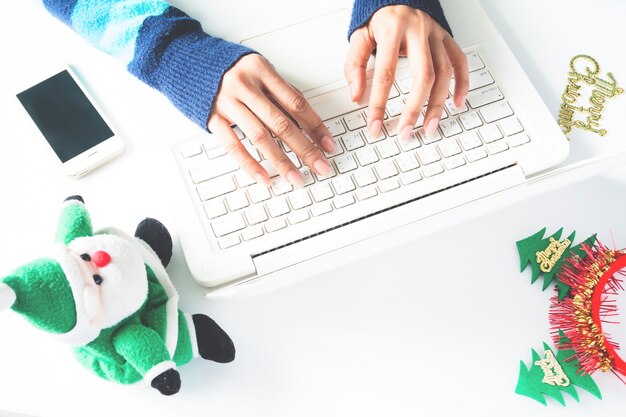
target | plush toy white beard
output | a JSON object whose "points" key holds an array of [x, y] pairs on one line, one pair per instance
{"points": [[123, 287]]}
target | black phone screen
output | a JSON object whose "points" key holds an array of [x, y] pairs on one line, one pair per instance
{"points": [[64, 115]]}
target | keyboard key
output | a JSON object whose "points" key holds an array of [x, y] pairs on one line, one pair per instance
{"points": [[307, 177], [243, 179], [331, 174], [497, 147], [387, 148], [294, 159], [353, 140], [227, 224], [391, 126], [393, 92], [394, 106], [345, 163], [496, 111], [251, 149], [470, 120], [321, 192], [371, 139], [366, 156], [214, 169], [237, 200], [216, 152], [337, 151], [215, 187], [355, 120], [322, 208], [335, 126], [229, 241], [511, 126], [484, 96], [449, 103], [252, 232], [366, 192], [388, 185], [477, 79], [450, 127], [410, 177], [300, 199], [258, 193], [343, 201], [280, 186], [405, 85], [517, 140], [407, 162], [454, 162], [298, 216], [470, 140], [271, 170], [490, 133], [429, 139], [432, 170], [343, 184], [215, 208], [255, 214], [277, 206], [273, 225], [474, 62], [428, 155], [190, 150], [238, 132], [364, 176], [475, 154], [386, 169], [449, 147]]}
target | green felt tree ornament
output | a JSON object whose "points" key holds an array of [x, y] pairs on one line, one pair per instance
{"points": [[554, 374], [546, 256]]}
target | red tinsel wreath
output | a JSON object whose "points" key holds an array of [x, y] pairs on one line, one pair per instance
{"points": [[590, 303]]}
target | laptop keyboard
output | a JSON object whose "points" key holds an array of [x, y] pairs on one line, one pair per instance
{"points": [[237, 210]]}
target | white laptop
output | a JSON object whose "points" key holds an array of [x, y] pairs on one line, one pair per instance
{"points": [[242, 231]]}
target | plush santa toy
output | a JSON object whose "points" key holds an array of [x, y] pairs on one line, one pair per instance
{"points": [[109, 296]]}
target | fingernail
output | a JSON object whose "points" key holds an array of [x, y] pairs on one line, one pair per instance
{"points": [[431, 127], [462, 102], [261, 179], [352, 91], [405, 132], [328, 144], [321, 167], [375, 128], [294, 178]]}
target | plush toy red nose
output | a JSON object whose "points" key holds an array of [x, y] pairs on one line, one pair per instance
{"points": [[101, 258]]}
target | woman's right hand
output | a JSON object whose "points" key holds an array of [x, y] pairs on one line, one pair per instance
{"points": [[258, 100]]}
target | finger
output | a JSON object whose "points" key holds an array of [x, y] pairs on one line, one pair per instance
{"points": [[294, 103], [421, 64], [359, 52], [384, 74], [439, 92], [284, 129], [222, 128], [458, 60]]}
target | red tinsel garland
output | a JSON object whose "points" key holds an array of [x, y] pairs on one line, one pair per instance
{"points": [[590, 303]]}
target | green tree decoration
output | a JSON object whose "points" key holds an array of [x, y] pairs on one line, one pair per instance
{"points": [[552, 375], [546, 255]]}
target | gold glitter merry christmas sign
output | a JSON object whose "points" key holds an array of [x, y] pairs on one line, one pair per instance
{"points": [[585, 96]]}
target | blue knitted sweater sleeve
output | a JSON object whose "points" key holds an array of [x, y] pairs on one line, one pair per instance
{"points": [[364, 9], [159, 44]]}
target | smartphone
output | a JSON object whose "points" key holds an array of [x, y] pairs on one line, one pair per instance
{"points": [[69, 120]]}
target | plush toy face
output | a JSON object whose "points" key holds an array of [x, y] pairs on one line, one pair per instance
{"points": [[109, 274]]}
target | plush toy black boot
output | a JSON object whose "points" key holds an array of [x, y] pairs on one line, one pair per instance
{"points": [[167, 383], [213, 342], [156, 235]]}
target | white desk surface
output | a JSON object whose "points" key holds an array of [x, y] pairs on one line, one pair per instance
{"points": [[428, 326]]}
